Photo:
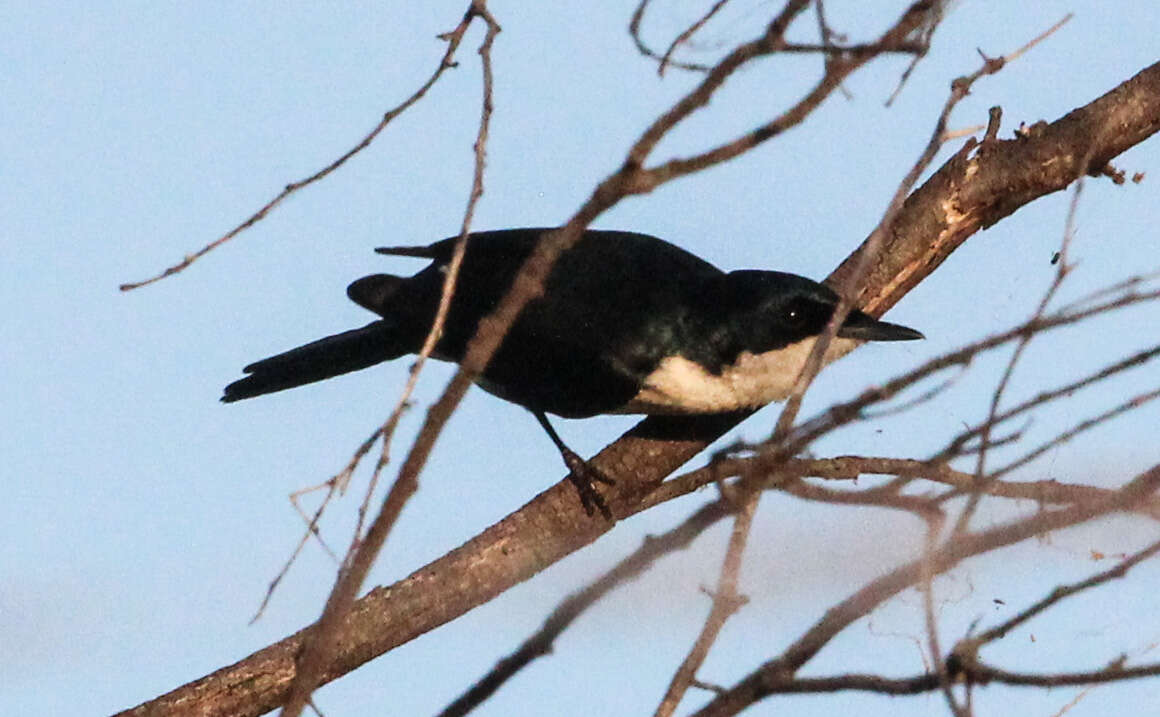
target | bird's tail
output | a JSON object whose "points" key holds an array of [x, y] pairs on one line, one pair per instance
{"points": [[334, 355]]}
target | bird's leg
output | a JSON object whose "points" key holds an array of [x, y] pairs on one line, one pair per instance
{"points": [[580, 472]]}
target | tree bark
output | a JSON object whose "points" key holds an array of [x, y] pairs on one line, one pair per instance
{"points": [[979, 186]]}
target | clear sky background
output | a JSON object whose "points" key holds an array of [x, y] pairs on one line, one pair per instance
{"points": [[142, 519]]}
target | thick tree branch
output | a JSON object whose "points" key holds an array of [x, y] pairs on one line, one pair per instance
{"points": [[970, 192]]}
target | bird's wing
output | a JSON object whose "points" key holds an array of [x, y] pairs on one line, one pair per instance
{"points": [[612, 306]]}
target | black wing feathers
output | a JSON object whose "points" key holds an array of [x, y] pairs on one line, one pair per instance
{"points": [[614, 305]]}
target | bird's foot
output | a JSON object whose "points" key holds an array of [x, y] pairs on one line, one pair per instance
{"points": [[583, 475]]}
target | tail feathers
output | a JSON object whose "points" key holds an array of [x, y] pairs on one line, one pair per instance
{"points": [[334, 355]]}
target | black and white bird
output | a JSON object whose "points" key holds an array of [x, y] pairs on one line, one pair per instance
{"points": [[628, 323]]}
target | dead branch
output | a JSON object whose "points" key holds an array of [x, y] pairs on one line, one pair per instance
{"points": [[972, 191], [452, 38], [317, 651]]}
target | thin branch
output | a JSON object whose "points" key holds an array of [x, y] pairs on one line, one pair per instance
{"points": [[977, 673], [335, 485], [956, 202], [1064, 268], [956, 446], [1087, 424], [452, 38], [319, 647], [540, 644], [925, 35], [726, 601], [311, 531], [756, 686], [985, 674], [826, 47], [847, 468], [883, 497], [634, 24], [772, 41], [688, 34], [451, 273], [969, 647], [386, 431], [927, 572]]}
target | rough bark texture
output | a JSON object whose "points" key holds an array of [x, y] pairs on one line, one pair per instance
{"points": [[976, 188]]}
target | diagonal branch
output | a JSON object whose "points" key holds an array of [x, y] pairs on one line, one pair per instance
{"points": [[452, 38], [969, 193], [319, 647]]}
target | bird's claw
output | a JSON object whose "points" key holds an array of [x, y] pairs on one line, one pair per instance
{"points": [[583, 475]]}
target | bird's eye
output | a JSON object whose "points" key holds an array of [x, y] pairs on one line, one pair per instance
{"points": [[798, 313]]}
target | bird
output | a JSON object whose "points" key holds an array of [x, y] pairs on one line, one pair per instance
{"points": [[627, 323]]}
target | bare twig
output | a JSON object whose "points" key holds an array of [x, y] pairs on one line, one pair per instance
{"points": [[634, 32], [847, 468], [969, 647], [846, 412], [927, 572], [311, 531], [770, 42], [827, 47], [565, 614], [952, 206], [726, 601], [452, 38], [837, 618], [1087, 424], [956, 446], [688, 33], [1064, 268], [977, 673], [318, 648], [1114, 672], [335, 485]]}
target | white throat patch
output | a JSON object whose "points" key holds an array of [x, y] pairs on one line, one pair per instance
{"points": [[681, 386]]}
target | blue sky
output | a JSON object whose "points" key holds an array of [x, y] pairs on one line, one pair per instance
{"points": [[144, 519]]}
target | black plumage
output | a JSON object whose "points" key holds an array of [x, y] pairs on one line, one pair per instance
{"points": [[627, 323]]}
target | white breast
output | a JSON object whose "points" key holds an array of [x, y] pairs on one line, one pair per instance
{"points": [[679, 385]]}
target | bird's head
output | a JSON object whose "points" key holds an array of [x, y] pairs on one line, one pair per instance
{"points": [[768, 310]]}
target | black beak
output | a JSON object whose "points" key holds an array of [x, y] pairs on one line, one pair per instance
{"points": [[862, 327]]}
